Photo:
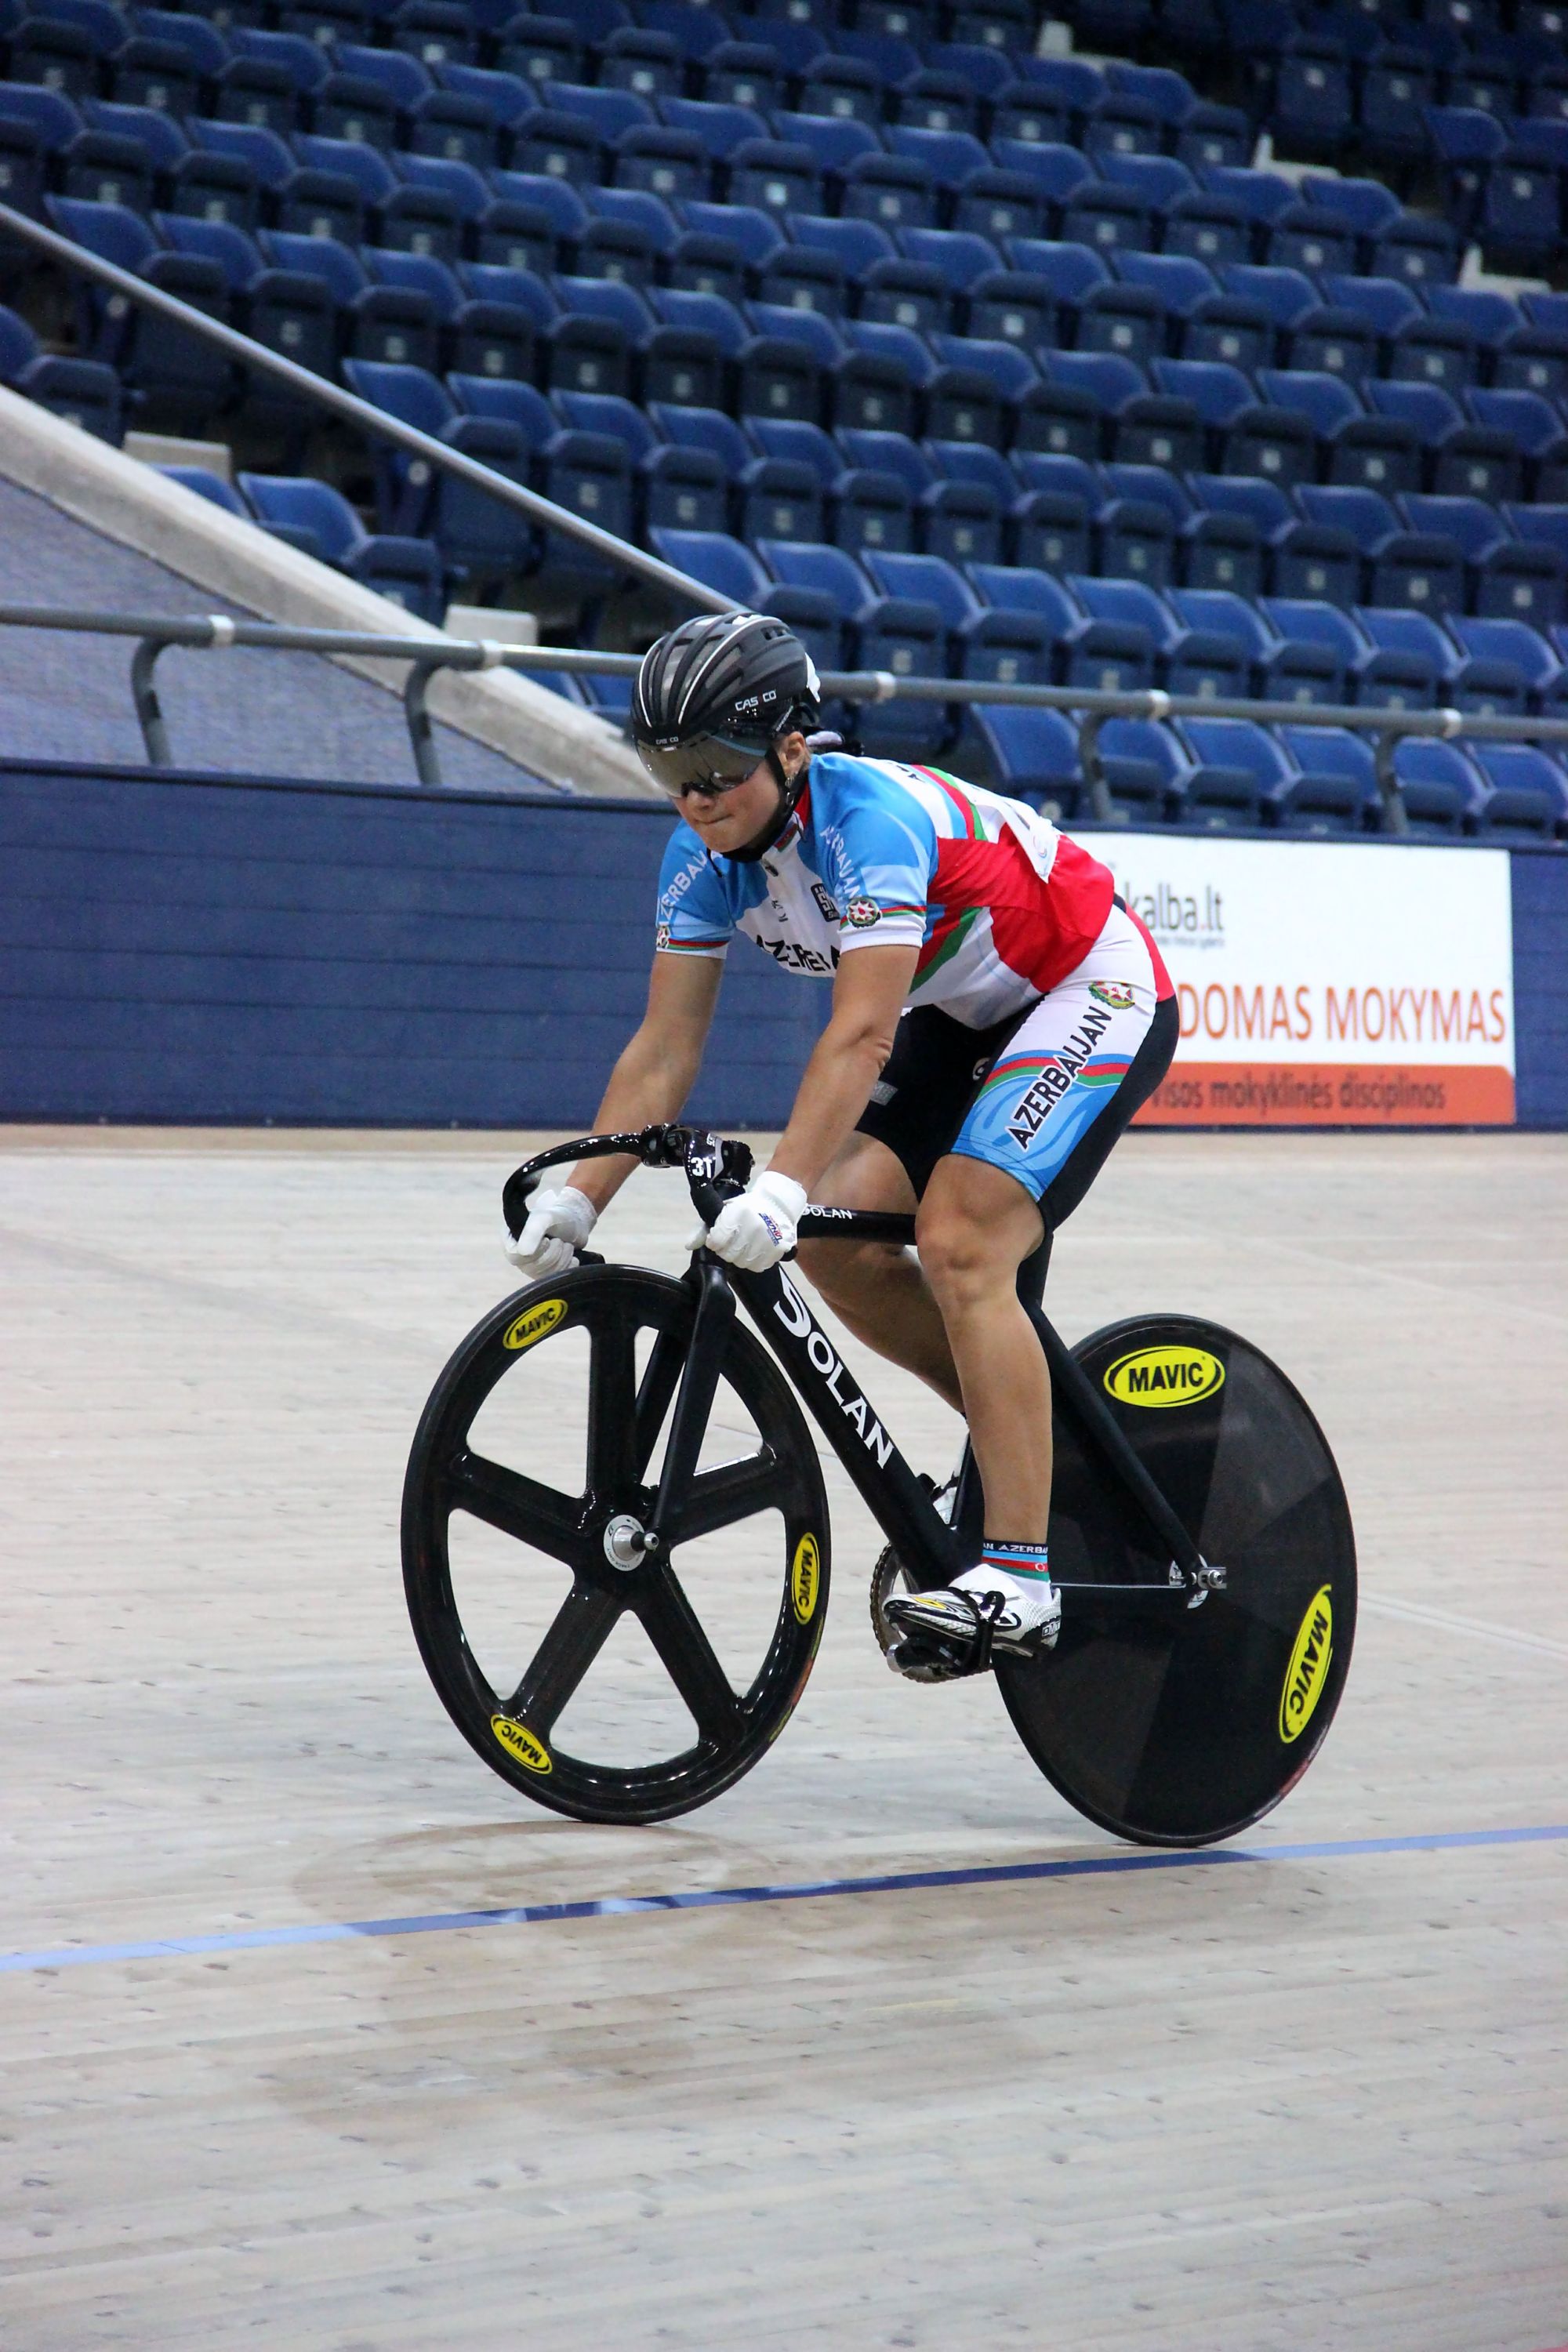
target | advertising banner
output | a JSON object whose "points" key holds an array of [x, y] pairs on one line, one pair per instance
{"points": [[1329, 983]]}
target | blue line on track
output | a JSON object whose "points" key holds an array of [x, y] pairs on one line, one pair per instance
{"points": [[612, 1907]]}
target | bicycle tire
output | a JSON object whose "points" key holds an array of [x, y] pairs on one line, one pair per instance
{"points": [[514, 1733], [1166, 1723]]}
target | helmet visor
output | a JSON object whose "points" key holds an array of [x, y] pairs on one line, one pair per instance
{"points": [[708, 764]]}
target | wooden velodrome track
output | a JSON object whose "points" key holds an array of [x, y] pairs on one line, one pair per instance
{"points": [[1316, 2099]]}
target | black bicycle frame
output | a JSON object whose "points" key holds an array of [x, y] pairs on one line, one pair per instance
{"points": [[899, 1499]]}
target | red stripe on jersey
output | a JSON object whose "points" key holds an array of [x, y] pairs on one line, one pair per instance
{"points": [[1164, 985], [1041, 929]]}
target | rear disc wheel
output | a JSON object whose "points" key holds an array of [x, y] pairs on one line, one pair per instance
{"points": [[1167, 1724]]}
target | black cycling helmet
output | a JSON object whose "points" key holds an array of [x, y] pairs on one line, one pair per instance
{"points": [[714, 696]]}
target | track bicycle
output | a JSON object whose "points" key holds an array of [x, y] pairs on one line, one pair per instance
{"points": [[1199, 1534]]}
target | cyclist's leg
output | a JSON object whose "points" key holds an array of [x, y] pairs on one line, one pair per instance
{"points": [[1062, 1090], [877, 1288]]}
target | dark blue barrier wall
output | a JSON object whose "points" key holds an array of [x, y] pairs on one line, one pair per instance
{"points": [[199, 949], [1541, 986], [190, 949]]}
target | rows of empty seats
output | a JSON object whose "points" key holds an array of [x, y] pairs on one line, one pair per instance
{"points": [[971, 362], [1444, 89]]}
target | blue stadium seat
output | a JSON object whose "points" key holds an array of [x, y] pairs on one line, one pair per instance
{"points": [[1214, 551], [1125, 319], [375, 321], [1312, 112], [1305, 236], [1533, 359], [1304, 559], [1508, 578], [1438, 784], [84, 392], [59, 57], [1384, 303], [287, 311], [701, 264], [1515, 642], [841, 89], [1146, 771], [415, 396], [718, 561], [1287, 295], [435, 32], [1462, 460], [642, 60], [758, 234], [1419, 252], [905, 294], [949, 157], [1396, 88], [1534, 426], [1124, 632], [506, 97], [1032, 755], [1400, 568], [776, 177], [744, 73], [359, 106], [1011, 589], [1355, 450], [719, 128], [540, 48], [1028, 110], [964, 519], [1524, 794], [1335, 340], [807, 278], [1434, 351], [901, 634], [1368, 208], [315, 519], [1225, 329], [891, 190], [1322, 654], [1288, 662], [1134, 535], [1336, 789], [592, 344], [1273, 443], [927, 579], [776, 494], [1001, 204], [858, 244], [1237, 769]]}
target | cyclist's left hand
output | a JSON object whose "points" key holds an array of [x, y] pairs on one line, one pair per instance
{"points": [[755, 1230]]}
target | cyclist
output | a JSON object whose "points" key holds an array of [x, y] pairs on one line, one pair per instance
{"points": [[997, 1018]]}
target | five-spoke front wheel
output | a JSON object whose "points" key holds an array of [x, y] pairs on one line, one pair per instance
{"points": [[602, 1677]]}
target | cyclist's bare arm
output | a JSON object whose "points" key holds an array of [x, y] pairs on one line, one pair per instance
{"points": [[658, 1067], [868, 994]]}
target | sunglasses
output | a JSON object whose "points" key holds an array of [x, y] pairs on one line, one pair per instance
{"points": [[710, 764]]}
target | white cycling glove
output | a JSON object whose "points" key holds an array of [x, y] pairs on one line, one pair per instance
{"points": [[757, 1229], [554, 1231]]}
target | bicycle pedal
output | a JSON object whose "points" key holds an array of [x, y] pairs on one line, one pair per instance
{"points": [[924, 1655], [919, 1663]]}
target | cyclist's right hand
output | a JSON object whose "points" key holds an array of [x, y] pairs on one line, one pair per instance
{"points": [[553, 1232]]}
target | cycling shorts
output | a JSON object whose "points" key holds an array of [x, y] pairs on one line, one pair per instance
{"points": [[1045, 1093]]}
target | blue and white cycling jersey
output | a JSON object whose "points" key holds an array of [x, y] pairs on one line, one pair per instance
{"points": [[883, 854]]}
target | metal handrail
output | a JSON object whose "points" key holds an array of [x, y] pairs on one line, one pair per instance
{"points": [[373, 421], [1089, 707]]}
